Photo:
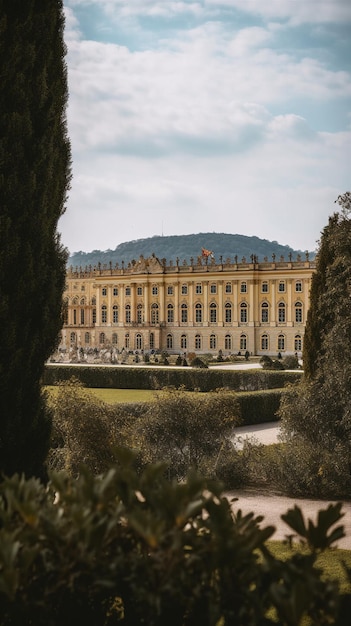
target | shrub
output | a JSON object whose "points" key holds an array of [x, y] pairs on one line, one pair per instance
{"points": [[136, 550], [197, 362], [290, 362]]}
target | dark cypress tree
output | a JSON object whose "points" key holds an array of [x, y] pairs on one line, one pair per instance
{"points": [[34, 179]]}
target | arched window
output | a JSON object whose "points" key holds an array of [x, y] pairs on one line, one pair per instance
{"points": [[154, 313], [198, 312], [73, 337], [184, 313], [228, 342], [126, 341], [281, 342], [243, 342], [102, 338], [115, 314], [128, 314], [114, 339], [104, 314], [170, 313], [169, 341], [139, 313], [213, 342], [197, 342], [243, 313], [138, 341], [298, 312], [213, 312], [183, 342], [264, 342], [264, 313], [228, 312], [281, 312], [298, 343], [87, 338]]}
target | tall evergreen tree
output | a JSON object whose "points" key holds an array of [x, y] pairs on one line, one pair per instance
{"points": [[34, 179]]}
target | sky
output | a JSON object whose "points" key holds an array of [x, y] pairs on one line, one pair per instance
{"points": [[190, 116]]}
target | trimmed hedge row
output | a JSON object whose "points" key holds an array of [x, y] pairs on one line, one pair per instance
{"points": [[259, 407], [256, 407], [190, 379]]}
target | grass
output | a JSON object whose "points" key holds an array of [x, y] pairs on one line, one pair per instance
{"points": [[116, 396], [329, 561]]}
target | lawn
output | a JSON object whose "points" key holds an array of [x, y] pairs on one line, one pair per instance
{"points": [[115, 396]]}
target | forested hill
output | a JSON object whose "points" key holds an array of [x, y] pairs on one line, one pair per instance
{"points": [[187, 246]]}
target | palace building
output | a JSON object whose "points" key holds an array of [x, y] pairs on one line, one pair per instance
{"points": [[201, 306]]}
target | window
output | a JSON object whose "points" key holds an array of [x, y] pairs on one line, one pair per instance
{"points": [[115, 314], [228, 342], [93, 301], [264, 287], [114, 339], [264, 313], [243, 288], [73, 338], [198, 288], [198, 313], [102, 338], [183, 342], [139, 291], [281, 342], [243, 313], [197, 342], [82, 288], [213, 342], [104, 314], [104, 291], [128, 314], [126, 341], [82, 302], [138, 341], [154, 290], [169, 341], [139, 313], [74, 316], [228, 288], [228, 312], [281, 286], [243, 342], [152, 341], [94, 316], [184, 313], [298, 312], [128, 291], [184, 290], [82, 316], [213, 288], [115, 291], [213, 313], [298, 286], [154, 313], [298, 343], [170, 290], [281, 312], [170, 313], [264, 342], [87, 338]]}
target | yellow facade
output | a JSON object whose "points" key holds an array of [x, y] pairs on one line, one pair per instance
{"points": [[200, 307]]}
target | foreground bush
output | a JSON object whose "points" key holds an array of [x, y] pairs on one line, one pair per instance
{"points": [[134, 550]]}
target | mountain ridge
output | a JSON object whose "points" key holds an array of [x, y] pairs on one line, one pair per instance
{"points": [[185, 247]]}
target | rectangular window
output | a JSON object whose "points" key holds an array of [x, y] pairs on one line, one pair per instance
{"points": [[281, 286], [140, 291], [127, 291], [104, 291], [82, 316], [264, 287], [228, 288], [154, 290], [184, 290], [298, 286], [198, 289], [170, 290], [115, 291], [213, 289], [243, 288]]}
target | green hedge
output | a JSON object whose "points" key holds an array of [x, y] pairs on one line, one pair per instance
{"points": [[259, 407], [190, 379]]}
